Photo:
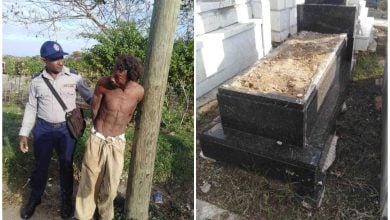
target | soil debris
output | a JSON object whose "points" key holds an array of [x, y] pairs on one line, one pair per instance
{"points": [[292, 69]]}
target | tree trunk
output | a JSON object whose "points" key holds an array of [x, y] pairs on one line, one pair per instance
{"points": [[162, 33]]}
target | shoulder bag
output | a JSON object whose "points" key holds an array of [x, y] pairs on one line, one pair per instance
{"points": [[74, 119]]}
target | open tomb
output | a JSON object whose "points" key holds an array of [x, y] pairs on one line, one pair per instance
{"points": [[278, 117]]}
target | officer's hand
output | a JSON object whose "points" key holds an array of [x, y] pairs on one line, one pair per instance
{"points": [[23, 144]]}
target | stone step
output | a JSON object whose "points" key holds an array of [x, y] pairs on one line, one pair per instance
{"points": [[206, 211], [214, 15]]}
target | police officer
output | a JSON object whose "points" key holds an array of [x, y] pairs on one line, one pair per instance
{"points": [[50, 131]]}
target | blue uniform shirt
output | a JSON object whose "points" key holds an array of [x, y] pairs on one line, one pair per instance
{"points": [[42, 102]]}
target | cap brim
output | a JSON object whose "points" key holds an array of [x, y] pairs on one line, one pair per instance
{"points": [[56, 55]]}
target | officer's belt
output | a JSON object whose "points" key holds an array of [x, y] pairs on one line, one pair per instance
{"points": [[54, 125]]}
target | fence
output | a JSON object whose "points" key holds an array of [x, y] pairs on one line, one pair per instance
{"points": [[15, 91]]}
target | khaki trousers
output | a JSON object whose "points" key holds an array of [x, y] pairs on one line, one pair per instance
{"points": [[100, 176]]}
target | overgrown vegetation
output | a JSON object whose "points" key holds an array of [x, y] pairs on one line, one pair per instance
{"points": [[367, 67], [124, 38], [22, 65]]}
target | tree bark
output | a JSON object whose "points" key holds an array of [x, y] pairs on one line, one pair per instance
{"points": [[162, 33]]}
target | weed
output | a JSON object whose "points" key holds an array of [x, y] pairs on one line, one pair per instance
{"points": [[155, 213], [14, 162], [367, 67]]}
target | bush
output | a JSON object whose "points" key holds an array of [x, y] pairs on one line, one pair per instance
{"points": [[125, 38], [181, 72], [22, 65]]}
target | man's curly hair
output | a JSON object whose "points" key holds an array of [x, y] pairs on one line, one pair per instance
{"points": [[132, 64]]}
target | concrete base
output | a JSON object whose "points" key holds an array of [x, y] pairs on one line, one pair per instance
{"points": [[267, 157], [206, 211]]}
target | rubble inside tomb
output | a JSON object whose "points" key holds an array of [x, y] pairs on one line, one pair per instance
{"points": [[290, 69]]}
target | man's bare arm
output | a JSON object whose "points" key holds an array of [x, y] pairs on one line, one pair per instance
{"points": [[97, 98], [141, 93]]}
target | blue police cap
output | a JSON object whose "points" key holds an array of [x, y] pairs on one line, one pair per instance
{"points": [[52, 50]]}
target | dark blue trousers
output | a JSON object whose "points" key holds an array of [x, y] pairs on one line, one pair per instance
{"points": [[46, 137]]}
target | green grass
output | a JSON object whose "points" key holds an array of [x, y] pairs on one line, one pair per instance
{"points": [[367, 67], [15, 163], [174, 158], [175, 151]]}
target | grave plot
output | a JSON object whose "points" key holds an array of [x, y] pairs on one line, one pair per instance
{"points": [[280, 97], [278, 117]]}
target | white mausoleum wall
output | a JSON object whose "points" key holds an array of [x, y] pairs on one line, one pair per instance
{"points": [[230, 36]]}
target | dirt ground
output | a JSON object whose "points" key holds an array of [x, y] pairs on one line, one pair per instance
{"points": [[290, 71], [177, 198], [352, 188]]}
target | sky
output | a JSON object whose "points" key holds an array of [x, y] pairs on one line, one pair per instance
{"points": [[26, 40], [21, 41]]}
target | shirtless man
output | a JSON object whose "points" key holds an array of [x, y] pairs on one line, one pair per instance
{"points": [[114, 101]]}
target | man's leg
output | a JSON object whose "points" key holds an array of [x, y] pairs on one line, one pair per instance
{"points": [[43, 147], [90, 176], [111, 179], [65, 150]]}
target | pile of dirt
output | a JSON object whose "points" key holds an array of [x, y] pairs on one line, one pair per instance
{"points": [[290, 71]]}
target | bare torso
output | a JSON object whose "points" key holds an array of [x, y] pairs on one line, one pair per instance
{"points": [[116, 106]]}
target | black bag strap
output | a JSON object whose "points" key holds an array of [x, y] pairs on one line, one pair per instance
{"points": [[55, 93]]}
